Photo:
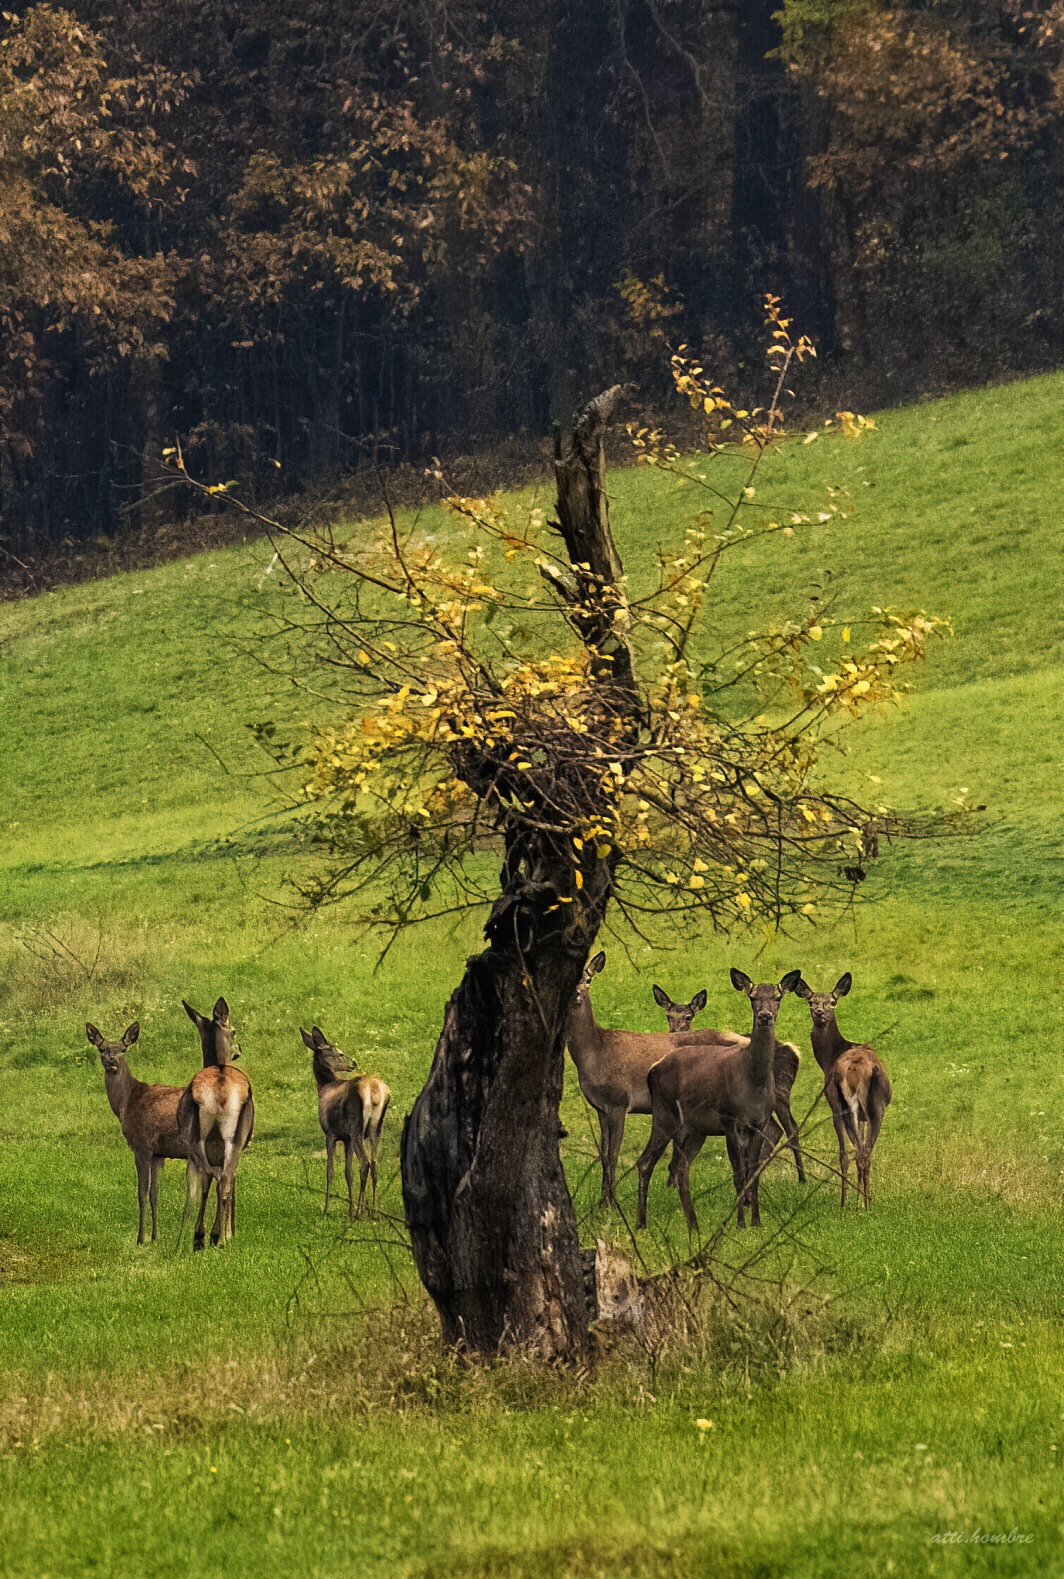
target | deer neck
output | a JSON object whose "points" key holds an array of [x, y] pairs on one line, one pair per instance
{"points": [[585, 1037], [323, 1076], [119, 1088], [761, 1052], [828, 1044]]}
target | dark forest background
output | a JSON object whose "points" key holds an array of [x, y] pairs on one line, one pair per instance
{"points": [[286, 234]]}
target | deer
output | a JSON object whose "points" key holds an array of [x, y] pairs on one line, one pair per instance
{"points": [[612, 1067], [856, 1083], [728, 1090], [217, 1103], [784, 1073], [148, 1116], [349, 1111]]}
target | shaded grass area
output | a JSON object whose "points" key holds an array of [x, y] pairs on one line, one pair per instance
{"points": [[169, 1414]]}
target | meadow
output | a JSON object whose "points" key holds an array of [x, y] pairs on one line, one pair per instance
{"points": [[280, 1406]]}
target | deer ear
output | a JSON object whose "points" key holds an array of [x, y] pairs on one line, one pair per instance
{"points": [[802, 988], [221, 1012], [308, 1040], [597, 963], [320, 1038], [197, 1019], [790, 982], [131, 1034], [698, 1002], [741, 981], [842, 986], [661, 998], [93, 1035]]}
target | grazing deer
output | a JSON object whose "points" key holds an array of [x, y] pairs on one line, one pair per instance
{"points": [[218, 1103], [349, 1111], [856, 1083], [784, 1073], [612, 1067], [724, 1090], [148, 1116]]}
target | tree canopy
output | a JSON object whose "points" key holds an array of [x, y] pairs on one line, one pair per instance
{"points": [[279, 235]]}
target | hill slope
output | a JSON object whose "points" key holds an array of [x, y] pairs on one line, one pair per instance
{"points": [[128, 881]]}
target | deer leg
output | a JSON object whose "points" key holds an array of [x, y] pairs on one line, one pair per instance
{"points": [[731, 1140], [616, 1140], [844, 1161], [219, 1233], [199, 1185], [759, 1147], [363, 1174], [330, 1147], [683, 1185], [153, 1194], [875, 1123], [143, 1175], [373, 1144], [648, 1161], [349, 1152], [691, 1145], [790, 1129], [606, 1198]]}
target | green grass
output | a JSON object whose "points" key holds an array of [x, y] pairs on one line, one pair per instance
{"points": [[240, 1411]]}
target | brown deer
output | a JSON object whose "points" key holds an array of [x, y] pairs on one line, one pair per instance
{"points": [[349, 1111], [217, 1103], [148, 1116], [724, 1090], [856, 1083], [784, 1073], [612, 1068]]}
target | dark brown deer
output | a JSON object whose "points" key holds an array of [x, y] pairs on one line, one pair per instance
{"points": [[856, 1083], [725, 1090], [613, 1065], [349, 1111], [784, 1073], [148, 1116], [217, 1103]]}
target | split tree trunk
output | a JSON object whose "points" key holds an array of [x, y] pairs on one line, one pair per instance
{"points": [[491, 1220]]}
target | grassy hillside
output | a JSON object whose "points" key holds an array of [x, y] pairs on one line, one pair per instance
{"points": [[173, 1415]]}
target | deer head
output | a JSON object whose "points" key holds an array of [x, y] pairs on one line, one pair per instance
{"points": [[765, 996], [680, 1015], [111, 1053], [591, 969], [822, 1004], [331, 1058], [217, 1036]]}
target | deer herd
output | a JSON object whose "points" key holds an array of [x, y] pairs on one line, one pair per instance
{"points": [[692, 1083]]}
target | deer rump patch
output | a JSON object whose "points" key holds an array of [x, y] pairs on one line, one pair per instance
{"points": [[220, 1095]]}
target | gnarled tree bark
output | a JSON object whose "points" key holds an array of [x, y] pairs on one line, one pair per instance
{"points": [[491, 1221]]}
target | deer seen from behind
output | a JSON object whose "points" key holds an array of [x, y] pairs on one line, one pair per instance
{"points": [[217, 1105], [349, 1111], [856, 1083], [784, 1073], [727, 1090], [148, 1116]]}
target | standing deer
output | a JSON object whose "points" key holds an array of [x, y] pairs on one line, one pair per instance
{"points": [[612, 1067], [148, 1116], [349, 1111], [217, 1102], [724, 1090], [856, 1083], [784, 1073]]}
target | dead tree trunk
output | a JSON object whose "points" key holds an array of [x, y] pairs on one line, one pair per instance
{"points": [[491, 1220]]}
